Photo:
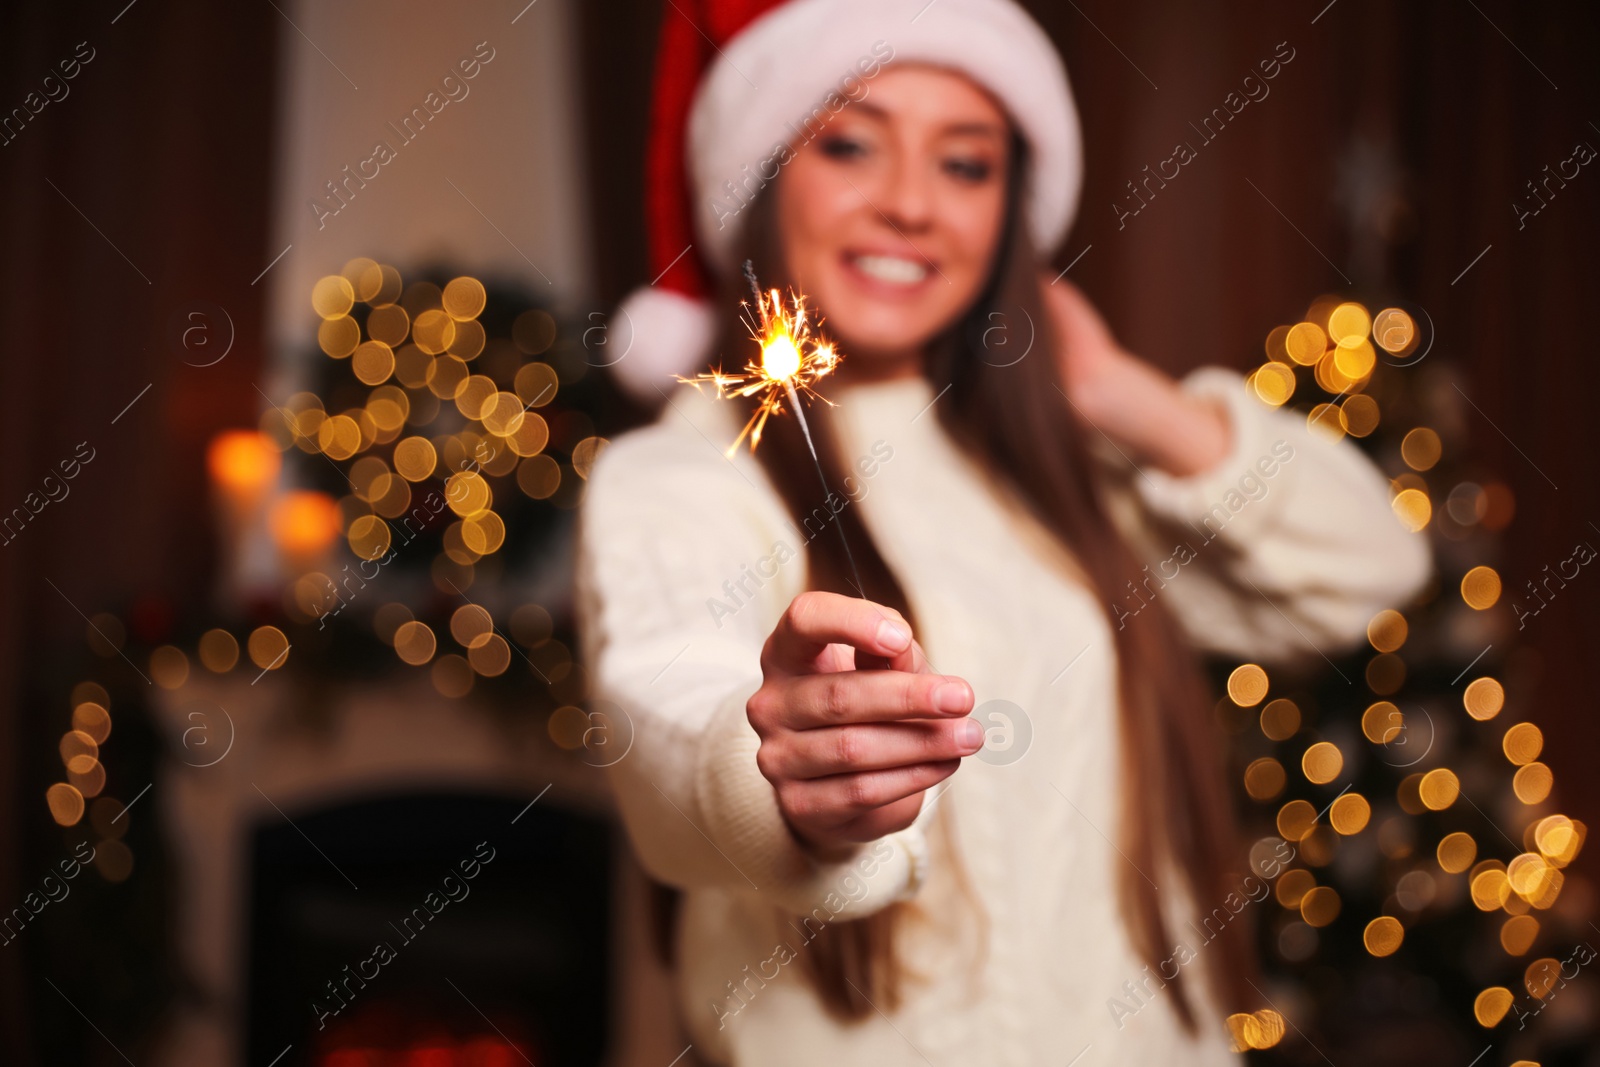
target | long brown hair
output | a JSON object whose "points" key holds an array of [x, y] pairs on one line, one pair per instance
{"points": [[1014, 421]]}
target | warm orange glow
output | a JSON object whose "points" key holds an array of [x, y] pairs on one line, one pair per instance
{"points": [[304, 524], [242, 462]]}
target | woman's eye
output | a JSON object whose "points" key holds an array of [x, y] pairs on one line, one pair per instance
{"points": [[838, 147], [973, 171]]}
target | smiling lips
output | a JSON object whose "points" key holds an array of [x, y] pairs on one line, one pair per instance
{"points": [[899, 272]]}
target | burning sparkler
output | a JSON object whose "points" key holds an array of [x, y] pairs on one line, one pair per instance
{"points": [[792, 357]]}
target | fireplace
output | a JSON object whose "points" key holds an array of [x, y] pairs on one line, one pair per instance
{"points": [[436, 929]]}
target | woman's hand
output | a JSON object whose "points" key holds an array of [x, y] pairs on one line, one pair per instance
{"points": [[1139, 408], [850, 752]]}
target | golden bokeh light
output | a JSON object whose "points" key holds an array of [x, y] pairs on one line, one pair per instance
{"points": [[87, 775], [219, 652], [369, 537], [1264, 778], [1456, 852], [464, 298], [332, 297], [268, 647], [1326, 421], [390, 325], [169, 667], [1490, 888], [536, 384], [1273, 383], [1293, 885], [1382, 722], [1532, 783], [338, 337], [1320, 906], [414, 642], [1517, 934], [77, 743], [372, 362], [1359, 414], [1386, 673], [65, 803], [1491, 1006], [1322, 762], [1439, 789], [1348, 325], [1413, 508], [1394, 331], [1280, 719], [1383, 935], [1349, 814], [1523, 743], [433, 331], [415, 458], [1296, 819], [539, 477], [93, 721], [452, 676], [467, 493], [1421, 449], [1541, 977], [1483, 698], [483, 533], [1387, 631], [470, 625], [1258, 1030], [1247, 685], [502, 414], [585, 452], [1305, 342], [491, 656], [1355, 362], [1480, 588]]}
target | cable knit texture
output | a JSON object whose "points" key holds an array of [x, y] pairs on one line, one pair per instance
{"points": [[1283, 549]]}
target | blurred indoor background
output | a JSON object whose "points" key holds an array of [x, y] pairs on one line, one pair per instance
{"points": [[269, 673]]}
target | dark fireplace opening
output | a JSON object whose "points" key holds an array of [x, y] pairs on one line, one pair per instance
{"points": [[430, 930]]}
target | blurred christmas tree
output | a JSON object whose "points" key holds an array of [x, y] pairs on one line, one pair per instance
{"points": [[1428, 915]]}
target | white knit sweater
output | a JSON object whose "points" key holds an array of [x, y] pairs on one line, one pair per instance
{"points": [[687, 560]]}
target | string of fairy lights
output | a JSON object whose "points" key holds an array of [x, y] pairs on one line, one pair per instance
{"points": [[450, 428], [1339, 344]]}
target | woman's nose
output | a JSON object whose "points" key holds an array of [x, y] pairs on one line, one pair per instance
{"points": [[905, 197]]}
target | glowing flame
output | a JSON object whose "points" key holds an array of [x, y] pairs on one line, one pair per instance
{"points": [[791, 358]]}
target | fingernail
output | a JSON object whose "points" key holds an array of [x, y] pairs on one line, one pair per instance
{"points": [[952, 696], [894, 637], [970, 735]]}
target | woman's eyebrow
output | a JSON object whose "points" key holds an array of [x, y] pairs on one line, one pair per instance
{"points": [[979, 127]]}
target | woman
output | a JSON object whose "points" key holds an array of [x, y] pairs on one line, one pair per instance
{"points": [[1043, 528]]}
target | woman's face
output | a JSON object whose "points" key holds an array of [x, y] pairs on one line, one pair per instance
{"points": [[890, 216]]}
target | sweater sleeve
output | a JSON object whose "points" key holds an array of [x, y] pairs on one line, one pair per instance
{"points": [[686, 561], [1285, 548]]}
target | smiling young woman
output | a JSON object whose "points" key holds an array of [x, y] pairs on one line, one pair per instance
{"points": [[811, 769]]}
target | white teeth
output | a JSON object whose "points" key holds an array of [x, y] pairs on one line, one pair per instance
{"points": [[892, 269]]}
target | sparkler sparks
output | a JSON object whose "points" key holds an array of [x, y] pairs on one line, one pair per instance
{"points": [[792, 358]]}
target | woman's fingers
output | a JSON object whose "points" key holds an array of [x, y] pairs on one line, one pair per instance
{"points": [[869, 747], [842, 697], [844, 806], [815, 620]]}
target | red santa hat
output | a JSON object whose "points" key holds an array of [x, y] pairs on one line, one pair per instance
{"points": [[735, 79]]}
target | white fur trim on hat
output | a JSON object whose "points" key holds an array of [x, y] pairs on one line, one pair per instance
{"points": [[654, 334], [772, 74]]}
